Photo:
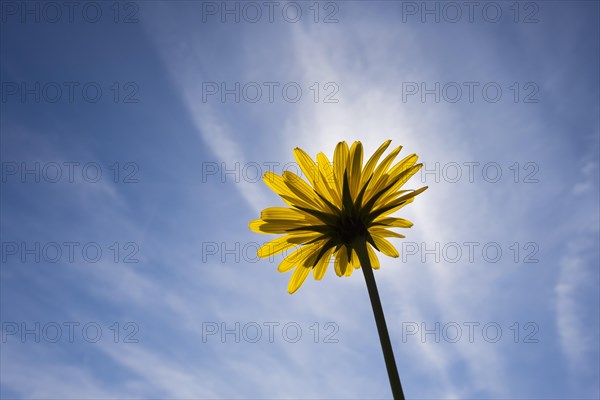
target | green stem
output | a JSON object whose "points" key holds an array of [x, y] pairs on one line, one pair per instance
{"points": [[384, 337]]}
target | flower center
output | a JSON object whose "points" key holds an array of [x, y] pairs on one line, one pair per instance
{"points": [[350, 227]]}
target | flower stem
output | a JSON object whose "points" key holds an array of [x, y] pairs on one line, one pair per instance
{"points": [[384, 337]]}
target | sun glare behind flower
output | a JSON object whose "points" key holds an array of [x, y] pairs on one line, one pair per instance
{"points": [[344, 208]]}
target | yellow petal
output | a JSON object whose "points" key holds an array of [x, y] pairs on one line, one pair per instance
{"points": [[298, 257], [282, 213], [313, 173], [354, 263], [402, 199], [385, 233], [400, 179], [355, 167], [276, 227], [373, 257], [393, 209], [327, 176], [379, 175], [291, 260], [404, 165], [255, 225], [340, 159], [302, 190], [283, 243], [392, 222], [298, 278], [385, 246], [370, 165], [273, 247], [277, 185], [321, 267], [307, 165], [341, 261]]}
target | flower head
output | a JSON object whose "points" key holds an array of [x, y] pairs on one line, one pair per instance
{"points": [[344, 208]]}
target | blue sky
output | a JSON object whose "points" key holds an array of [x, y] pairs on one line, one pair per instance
{"points": [[170, 210]]}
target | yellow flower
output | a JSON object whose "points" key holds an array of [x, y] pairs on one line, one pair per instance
{"points": [[344, 206]]}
